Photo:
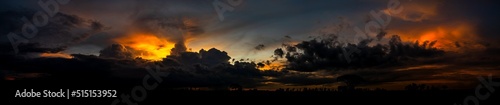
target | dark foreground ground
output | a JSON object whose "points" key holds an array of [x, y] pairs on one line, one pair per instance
{"points": [[165, 95]]}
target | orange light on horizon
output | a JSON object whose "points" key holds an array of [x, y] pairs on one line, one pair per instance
{"points": [[147, 46], [273, 66], [56, 55]]}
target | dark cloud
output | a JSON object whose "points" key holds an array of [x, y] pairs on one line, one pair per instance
{"points": [[329, 54], [242, 73], [214, 56], [260, 47], [188, 27], [457, 70], [95, 28], [381, 35], [211, 68], [62, 31], [71, 29], [210, 58], [36, 48], [279, 52], [179, 48], [81, 67], [117, 51], [191, 69], [174, 27]]}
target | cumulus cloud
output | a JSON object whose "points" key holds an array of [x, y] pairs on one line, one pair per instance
{"points": [[179, 48], [210, 58], [117, 51]]}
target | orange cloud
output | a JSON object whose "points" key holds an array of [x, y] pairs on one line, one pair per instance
{"points": [[56, 55], [273, 66], [450, 36], [147, 46], [424, 21]]}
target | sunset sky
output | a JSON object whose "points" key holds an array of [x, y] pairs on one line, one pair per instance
{"points": [[436, 42]]}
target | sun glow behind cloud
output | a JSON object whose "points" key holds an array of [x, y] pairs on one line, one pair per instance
{"points": [[449, 37], [147, 46]]}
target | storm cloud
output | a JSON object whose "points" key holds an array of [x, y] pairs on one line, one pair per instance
{"points": [[330, 54]]}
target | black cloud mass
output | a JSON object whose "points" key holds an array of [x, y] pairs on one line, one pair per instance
{"points": [[330, 54]]}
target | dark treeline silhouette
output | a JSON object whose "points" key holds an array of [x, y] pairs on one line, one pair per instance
{"points": [[424, 87]]}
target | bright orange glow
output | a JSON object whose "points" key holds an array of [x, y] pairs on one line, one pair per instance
{"points": [[428, 36], [273, 66], [147, 46], [56, 55], [452, 34], [447, 36]]}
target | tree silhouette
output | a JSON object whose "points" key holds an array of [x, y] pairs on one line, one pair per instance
{"points": [[236, 87], [350, 80]]}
